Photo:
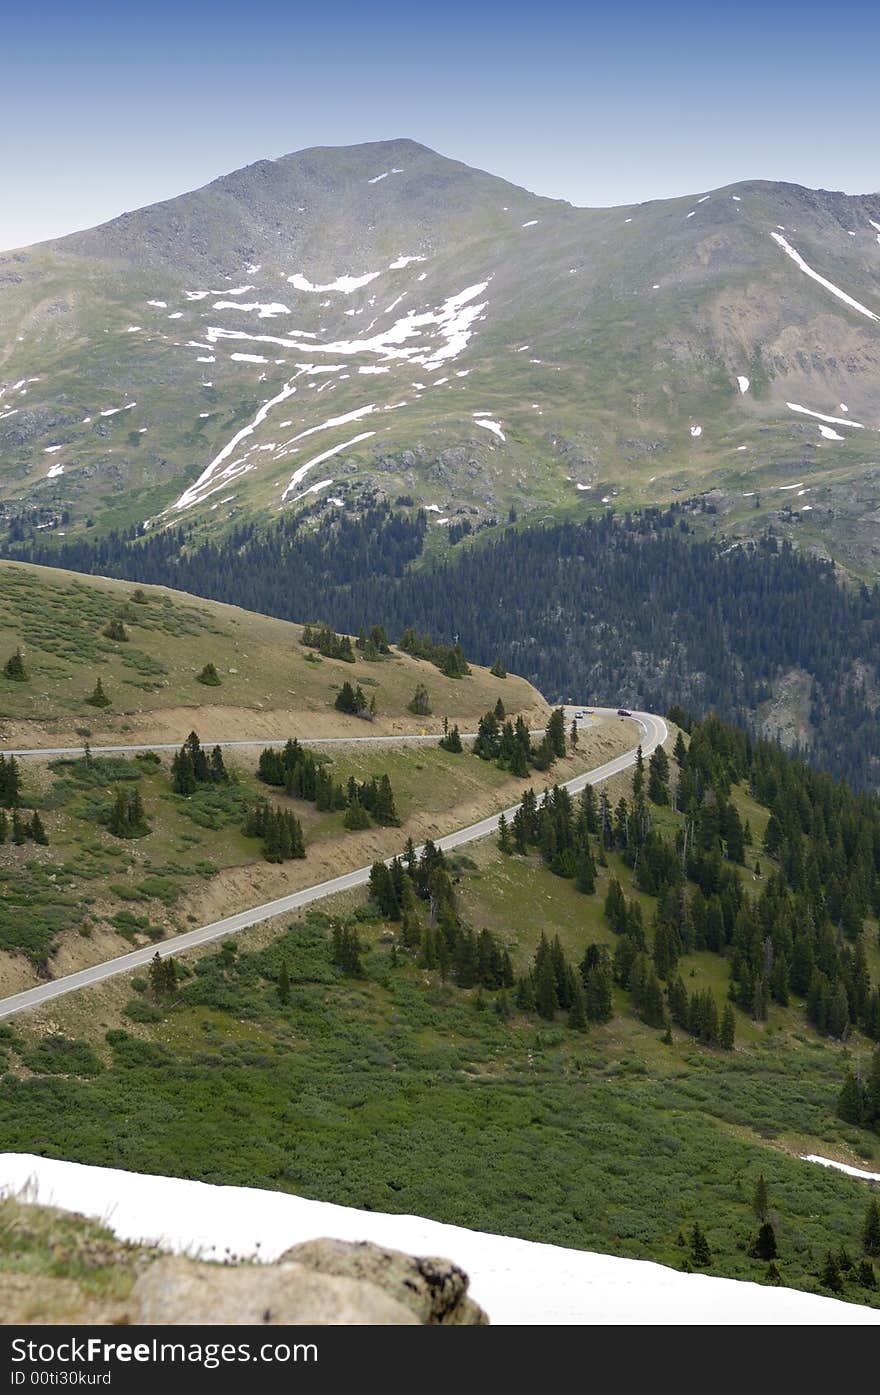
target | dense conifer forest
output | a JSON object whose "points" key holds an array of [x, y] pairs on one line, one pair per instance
{"points": [[633, 608]]}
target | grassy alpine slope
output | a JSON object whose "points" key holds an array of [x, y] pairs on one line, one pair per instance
{"points": [[270, 684], [88, 894], [384, 1085]]}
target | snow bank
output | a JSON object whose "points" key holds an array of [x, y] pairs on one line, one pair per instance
{"points": [[199, 491], [516, 1281], [830, 434], [345, 284], [319, 460], [743, 382], [830, 1162], [492, 426], [266, 311], [829, 285], [821, 416]]}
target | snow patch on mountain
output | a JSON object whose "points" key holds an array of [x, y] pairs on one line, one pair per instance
{"points": [[312, 489], [822, 280], [265, 311], [345, 284], [830, 434], [492, 426], [821, 416], [199, 491], [337, 421], [319, 459], [830, 1162], [743, 382], [451, 322]]}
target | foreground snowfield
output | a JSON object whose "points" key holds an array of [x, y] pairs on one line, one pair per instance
{"points": [[516, 1281]]}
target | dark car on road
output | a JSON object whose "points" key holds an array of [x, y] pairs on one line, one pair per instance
{"points": [[623, 712]]}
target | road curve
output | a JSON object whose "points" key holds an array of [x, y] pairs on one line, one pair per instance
{"points": [[653, 732]]}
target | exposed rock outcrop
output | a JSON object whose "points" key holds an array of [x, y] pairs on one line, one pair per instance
{"points": [[183, 1291], [434, 1289]]}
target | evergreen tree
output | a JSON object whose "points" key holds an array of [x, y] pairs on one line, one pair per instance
{"points": [[19, 832], [183, 779], [498, 670], [345, 699], [677, 999], [577, 1012], [546, 996], [284, 984], [598, 988], [452, 741], [118, 822], [97, 697], [871, 1228], [384, 810], [615, 907], [209, 676], [638, 780], [585, 871], [525, 994], [504, 840], [420, 702], [701, 1254], [556, 732], [115, 630], [829, 1275], [658, 777], [37, 831], [764, 1245], [838, 1019], [156, 973], [169, 975], [851, 1100], [356, 816], [10, 782], [14, 668], [761, 1200]]}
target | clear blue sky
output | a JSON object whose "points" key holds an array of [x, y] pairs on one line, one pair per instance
{"points": [[108, 106]]}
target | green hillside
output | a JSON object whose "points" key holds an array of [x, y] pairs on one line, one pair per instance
{"points": [[442, 1093], [269, 682]]}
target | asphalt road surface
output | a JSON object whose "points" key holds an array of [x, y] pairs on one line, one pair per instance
{"points": [[652, 732]]}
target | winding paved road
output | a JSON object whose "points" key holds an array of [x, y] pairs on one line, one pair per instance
{"points": [[653, 732]]}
